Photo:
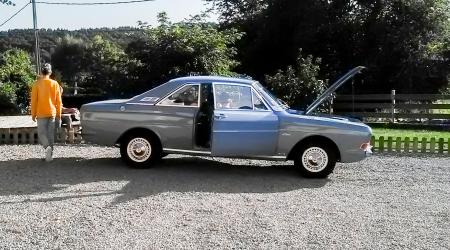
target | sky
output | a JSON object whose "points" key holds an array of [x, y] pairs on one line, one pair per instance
{"points": [[76, 17]]}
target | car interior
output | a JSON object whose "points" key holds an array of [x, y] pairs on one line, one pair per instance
{"points": [[227, 97], [203, 120]]}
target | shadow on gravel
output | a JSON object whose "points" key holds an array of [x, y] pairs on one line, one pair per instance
{"points": [[188, 174]]}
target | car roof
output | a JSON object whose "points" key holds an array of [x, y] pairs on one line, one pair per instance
{"points": [[162, 90], [196, 79]]}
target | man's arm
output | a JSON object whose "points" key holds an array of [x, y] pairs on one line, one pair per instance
{"points": [[34, 100], [58, 103]]}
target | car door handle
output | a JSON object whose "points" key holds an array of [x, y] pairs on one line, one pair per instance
{"points": [[220, 116]]}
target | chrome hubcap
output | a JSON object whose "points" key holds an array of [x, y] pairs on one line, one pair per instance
{"points": [[139, 149], [315, 159]]}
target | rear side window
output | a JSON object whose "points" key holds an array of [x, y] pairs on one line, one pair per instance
{"points": [[186, 96]]}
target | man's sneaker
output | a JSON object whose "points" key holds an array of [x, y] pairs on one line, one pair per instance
{"points": [[48, 154]]}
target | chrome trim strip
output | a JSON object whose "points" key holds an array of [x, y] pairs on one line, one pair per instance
{"points": [[257, 157], [275, 157], [244, 110], [246, 131], [179, 106], [208, 153], [143, 104], [173, 150]]}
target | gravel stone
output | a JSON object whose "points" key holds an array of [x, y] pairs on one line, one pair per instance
{"points": [[87, 198]]}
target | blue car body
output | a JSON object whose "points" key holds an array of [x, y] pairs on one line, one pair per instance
{"points": [[185, 116]]}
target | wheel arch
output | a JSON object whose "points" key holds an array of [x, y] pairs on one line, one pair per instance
{"points": [[140, 130], [315, 139]]}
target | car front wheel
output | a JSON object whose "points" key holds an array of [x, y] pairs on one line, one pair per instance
{"points": [[140, 151], [315, 161]]}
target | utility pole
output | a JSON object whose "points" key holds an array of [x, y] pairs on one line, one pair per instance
{"points": [[36, 38]]}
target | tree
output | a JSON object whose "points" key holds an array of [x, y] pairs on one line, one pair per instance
{"points": [[396, 39], [16, 77], [298, 85], [172, 50], [70, 61], [108, 68], [235, 11], [97, 67], [7, 2], [50, 39]]}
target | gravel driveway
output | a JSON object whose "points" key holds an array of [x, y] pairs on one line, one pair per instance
{"points": [[87, 198]]}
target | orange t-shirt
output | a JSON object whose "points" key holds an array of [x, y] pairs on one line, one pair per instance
{"points": [[46, 99]]}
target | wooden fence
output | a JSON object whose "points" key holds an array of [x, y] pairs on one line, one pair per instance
{"points": [[411, 145], [392, 107]]}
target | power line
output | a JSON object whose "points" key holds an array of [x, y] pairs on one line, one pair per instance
{"points": [[15, 14], [96, 3], [71, 3]]}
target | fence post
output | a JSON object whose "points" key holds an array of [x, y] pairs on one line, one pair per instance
{"points": [[389, 149], [424, 145], [381, 144], [415, 144], [393, 106], [398, 145], [441, 146], [448, 146], [432, 145], [406, 145]]}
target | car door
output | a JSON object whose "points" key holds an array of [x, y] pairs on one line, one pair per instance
{"points": [[243, 125], [176, 115]]}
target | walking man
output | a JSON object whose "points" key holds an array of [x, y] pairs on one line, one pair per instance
{"points": [[46, 109]]}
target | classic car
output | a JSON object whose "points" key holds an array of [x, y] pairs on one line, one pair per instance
{"points": [[225, 117]]}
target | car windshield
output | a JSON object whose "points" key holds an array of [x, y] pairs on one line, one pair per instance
{"points": [[274, 101]]}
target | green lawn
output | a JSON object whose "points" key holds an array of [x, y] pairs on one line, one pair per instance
{"points": [[410, 133]]}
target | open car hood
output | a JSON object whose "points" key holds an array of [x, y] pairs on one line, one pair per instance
{"points": [[332, 89]]}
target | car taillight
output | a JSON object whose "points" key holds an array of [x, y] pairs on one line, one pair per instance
{"points": [[366, 146]]}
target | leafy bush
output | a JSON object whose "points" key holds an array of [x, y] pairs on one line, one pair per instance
{"points": [[298, 85], [16, 77]]}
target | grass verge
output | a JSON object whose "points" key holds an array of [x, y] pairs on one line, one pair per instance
{"points": [[411, 133]]}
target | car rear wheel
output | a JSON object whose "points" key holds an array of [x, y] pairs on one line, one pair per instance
{"points": [[140, 151], [315, 160]]}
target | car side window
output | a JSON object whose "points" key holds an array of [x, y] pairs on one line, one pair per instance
{"points": [[258, 104], [233, 97], [186, 96]]}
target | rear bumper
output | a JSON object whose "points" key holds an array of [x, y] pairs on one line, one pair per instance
{"points": [[98, 138], [356, 155], [368, 151]]}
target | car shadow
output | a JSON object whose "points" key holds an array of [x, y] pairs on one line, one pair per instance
{"points": [[187, 174]]}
